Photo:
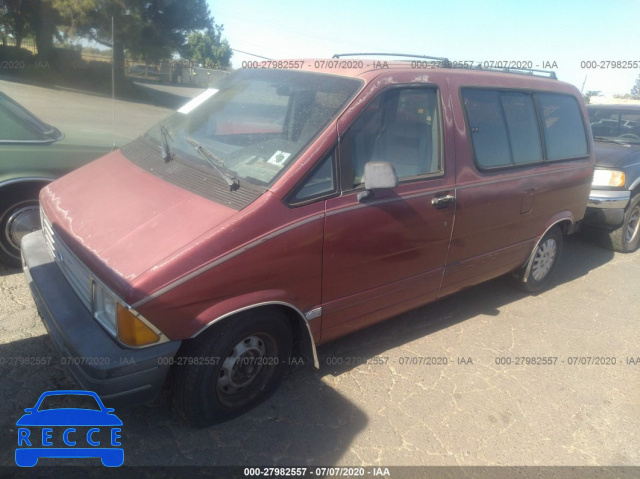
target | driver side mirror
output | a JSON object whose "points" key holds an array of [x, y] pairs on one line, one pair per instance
{"points": [[377, 175]]}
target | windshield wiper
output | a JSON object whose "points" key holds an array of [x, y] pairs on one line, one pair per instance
{"points": [[234, 183], [165, 136], [608, 139]]}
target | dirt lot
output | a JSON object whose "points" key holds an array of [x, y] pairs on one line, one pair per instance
{"points": [[373, 403]]}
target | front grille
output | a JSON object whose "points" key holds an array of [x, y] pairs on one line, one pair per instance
{"points": [[72, 268]]}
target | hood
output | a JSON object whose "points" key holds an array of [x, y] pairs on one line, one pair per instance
{"points": [[122, 221], [614, 155]]}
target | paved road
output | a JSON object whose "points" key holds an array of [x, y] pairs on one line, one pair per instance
{"points": [[170, 96], [70, 110], [372, 403], [399, 413]]}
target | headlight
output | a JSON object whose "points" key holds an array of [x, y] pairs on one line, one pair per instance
{"points": [[104, 307], [608, 178], [120, 320]]}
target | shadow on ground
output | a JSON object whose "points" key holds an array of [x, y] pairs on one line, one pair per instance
{"points": [[579, 256], [305, 422], [6, 271]]}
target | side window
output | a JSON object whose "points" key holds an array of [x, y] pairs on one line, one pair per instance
{"points": [[13, 129], [504, 127], [522, 125], [319, 183], [401, 126], [614, 123], [563, 129], [603, 122], [487, 127]]}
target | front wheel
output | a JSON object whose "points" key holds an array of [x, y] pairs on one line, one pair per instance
{"points": [[626, 238], [232, 368], [538, 271], [19, 216]]}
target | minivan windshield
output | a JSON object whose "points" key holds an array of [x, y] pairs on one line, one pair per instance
{"points": [[254, 124]]}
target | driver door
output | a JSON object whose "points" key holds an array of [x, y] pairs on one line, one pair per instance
{"points": [[386, 254]]}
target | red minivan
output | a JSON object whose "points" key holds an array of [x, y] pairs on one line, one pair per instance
{"points": [[293, 205]]}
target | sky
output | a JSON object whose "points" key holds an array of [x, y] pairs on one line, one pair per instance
{"points": [[567, 33]]}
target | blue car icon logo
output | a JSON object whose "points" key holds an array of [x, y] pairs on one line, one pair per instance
{"points": [[69, 432]]}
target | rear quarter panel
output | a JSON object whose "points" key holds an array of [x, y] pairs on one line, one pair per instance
{"points": [[501, 214]]}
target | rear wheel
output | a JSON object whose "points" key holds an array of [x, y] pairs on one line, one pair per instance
{"points": [[232, 368], [626, 238], [536, 275], [19, 215]]}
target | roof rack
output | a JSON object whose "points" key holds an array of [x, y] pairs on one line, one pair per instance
{"points": [[340, 55], [520, 71], [446, 63]]}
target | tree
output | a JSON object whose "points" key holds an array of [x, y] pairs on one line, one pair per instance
{"points": [[92, 19], [587, 96], [208, 48], [151, 30], [44, 19], [14, 20], [22, 17], [635, 91]]}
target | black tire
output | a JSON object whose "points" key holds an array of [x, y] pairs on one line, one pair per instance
{"points": [[232, 367], [19, 215], [543, 262], [625, 239]]}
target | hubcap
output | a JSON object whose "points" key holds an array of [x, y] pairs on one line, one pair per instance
{"points": [[243, 365], [545, 256], [22, 222], [633, 225]]}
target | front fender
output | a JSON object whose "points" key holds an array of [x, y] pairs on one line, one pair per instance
{"points": [[225, 310]]}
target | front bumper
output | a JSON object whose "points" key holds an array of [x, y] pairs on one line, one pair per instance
{"points": [[606, 207], [120, 376]]}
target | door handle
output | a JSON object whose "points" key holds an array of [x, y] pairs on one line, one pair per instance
{"points": [[440, 202]]}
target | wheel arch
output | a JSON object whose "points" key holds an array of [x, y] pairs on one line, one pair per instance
{"points": [[303, 342], [564, 222], [634, 188], [19, 213], [13, 184]]}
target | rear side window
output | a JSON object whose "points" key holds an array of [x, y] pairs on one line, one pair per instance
{"points": [[12, 129], [522, 125], [506, 131], [488, 128], [563, 129]]}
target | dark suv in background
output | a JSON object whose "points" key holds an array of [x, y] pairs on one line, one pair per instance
{"points": [[614, 201]]}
